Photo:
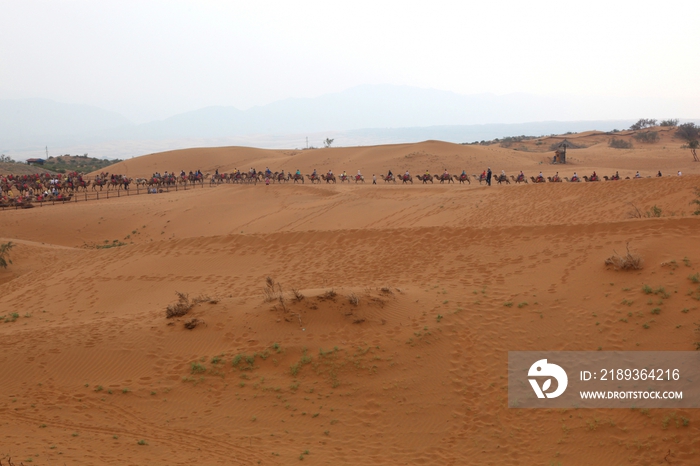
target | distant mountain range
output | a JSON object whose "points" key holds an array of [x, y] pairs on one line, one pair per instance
{"points": [[368, 114]]}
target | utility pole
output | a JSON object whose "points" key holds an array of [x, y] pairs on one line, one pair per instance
{"points": [[307, 142], [47, 152]]}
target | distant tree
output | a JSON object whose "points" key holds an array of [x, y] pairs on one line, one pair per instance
{"points": [[688, 131], [693, 146], [643, 123], [5, 253], [6, 159], [671, 122], [328, 142]]}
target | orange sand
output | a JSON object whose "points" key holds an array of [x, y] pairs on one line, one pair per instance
{"points": [[91, 366]]}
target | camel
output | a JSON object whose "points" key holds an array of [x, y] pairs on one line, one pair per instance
{"points": [[328, 178], [344, 178], [359, 178], [314, 178], [407, 179], [519, 179], [481, 178], [425, 178], [444, 177], [388, 178], [462, 178], [97, 182], [501, 178], [554, 179], [591, 178], [538, 179]]}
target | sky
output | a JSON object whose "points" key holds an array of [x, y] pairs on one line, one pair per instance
{"points": [[152, 59]]}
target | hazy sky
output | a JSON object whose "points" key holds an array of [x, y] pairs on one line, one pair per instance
{"points": [[151, 59]]}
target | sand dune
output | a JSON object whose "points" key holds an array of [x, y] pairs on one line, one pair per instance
{"points": [[448, 280]]}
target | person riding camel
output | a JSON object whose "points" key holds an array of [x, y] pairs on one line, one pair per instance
{"points": [[575, 177], [390, 174], [330, 173], [637, 175], [540, 177], [445, 174], [556, 176], [617, 176], [521, 176], [594, 177], [464, 172], [268, 172], [659, 174], [406, 175], [299, 172], [344, 175], [359, 175]]}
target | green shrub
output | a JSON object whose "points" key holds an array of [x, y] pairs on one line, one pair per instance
{"points": [[619, 144]]}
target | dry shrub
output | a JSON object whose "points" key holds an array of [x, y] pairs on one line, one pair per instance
{"points": [[298, 295], [181, 307], [634, 212], [272, 290], [192, 323], [330, 294], [386, 290], [354, 299], [627, 261]]}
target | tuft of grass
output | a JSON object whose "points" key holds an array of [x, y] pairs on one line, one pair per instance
{"points": [[142, 442], [656, 310], [508, 304], [438, 318], [646, 289], [354, 299], [197, 368], [522, 305], [694, 278]]}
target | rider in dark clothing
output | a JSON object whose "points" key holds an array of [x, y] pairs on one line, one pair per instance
{"points": [[488, 176]]}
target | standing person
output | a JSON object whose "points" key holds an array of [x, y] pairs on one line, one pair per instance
{"points": [[488, 176], [374, 178]]}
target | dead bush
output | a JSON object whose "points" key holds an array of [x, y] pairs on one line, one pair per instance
{"points": [[354, 299], [629, 261], [330, 294], [386, 290], [272, 290], [298, 295], [192, 323], [181, 307]]}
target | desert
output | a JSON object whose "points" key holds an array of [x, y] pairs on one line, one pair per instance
{"points": [[348, 323]]}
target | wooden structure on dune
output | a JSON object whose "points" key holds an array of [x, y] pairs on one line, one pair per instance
{"points": [[560, 154]]}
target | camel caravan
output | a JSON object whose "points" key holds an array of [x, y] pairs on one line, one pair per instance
{"points": [[23, 190]]}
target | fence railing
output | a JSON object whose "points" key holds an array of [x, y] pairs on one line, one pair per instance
{"points": [[106, 194]]}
